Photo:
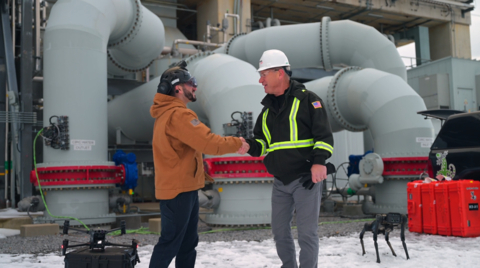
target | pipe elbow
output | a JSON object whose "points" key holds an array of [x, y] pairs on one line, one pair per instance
{"points": [[268, 22], [139, 46], [356, 44]]}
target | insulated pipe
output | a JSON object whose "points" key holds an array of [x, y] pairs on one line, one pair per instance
{"points": [[268, 22], [75, 76], [321, 45], [136, 49], [219, 94], [175, 49], [236, 22], [360, 99]]}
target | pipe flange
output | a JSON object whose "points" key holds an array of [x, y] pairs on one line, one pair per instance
{"points": [[128, 37], [266, 180], [332, 101], [198, 55], [123, 68], [324, 49], [321, 55], [229, 43], [134, 28], [73, 188]]}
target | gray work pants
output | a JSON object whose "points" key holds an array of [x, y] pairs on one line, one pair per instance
{"points": [[285, 200]]}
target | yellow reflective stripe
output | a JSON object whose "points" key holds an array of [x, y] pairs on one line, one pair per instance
{"points": [[290, 145], [264, 146], [293, 120], [324, 146], [265, 128]]}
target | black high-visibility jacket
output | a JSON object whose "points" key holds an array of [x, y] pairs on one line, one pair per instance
{"points": [[295, 137]]}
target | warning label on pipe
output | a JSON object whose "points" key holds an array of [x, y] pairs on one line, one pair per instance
{"points": [[425, 142], [82, 145]]}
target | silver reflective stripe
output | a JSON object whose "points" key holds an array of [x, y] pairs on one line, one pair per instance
{"points": [[324, 146], [290, 145]]}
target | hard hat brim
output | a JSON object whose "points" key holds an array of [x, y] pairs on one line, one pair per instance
{"points": [[272, 67]]}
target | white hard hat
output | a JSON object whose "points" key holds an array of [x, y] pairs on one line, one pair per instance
{"points": [[271, 59]]}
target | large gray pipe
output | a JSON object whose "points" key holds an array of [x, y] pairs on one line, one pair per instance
{"points": [[75, 76], [321, 45], [219, 94], [360, 99]]}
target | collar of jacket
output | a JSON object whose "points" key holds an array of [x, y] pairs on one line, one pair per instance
{"points": [[295, 90], [163, 103]]}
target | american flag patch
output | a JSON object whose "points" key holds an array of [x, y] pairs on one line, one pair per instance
{"points": [[195, 122], [317, 104]]}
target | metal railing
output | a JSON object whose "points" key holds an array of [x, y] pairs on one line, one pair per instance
{"points": [[19, 117], [413, 61]]}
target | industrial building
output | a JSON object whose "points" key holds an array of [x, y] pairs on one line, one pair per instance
{"points": [[84, 73]]}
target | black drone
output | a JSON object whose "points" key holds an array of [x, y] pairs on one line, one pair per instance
{"points": [[97, 240], [384, 224]]}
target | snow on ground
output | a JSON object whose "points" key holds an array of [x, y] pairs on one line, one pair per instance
{"points": [[8, 232], [424, 250]]}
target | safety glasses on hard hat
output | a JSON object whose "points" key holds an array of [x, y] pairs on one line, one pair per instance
{"points": [[192, 82], [264, 73]]}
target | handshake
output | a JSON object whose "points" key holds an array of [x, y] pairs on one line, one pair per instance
{"points": [[245, 147]]}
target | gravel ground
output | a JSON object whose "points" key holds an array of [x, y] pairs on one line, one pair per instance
{"points": [[330, 225]]}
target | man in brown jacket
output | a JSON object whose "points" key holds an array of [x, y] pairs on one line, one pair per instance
{"points": [[179, 139]]}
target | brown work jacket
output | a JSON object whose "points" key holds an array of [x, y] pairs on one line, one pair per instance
{"points": [[179, 139]]}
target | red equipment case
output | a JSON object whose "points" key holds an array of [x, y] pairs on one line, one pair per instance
{"points": [[429, 208], [414, 196], [465, 216], [442, 204]]}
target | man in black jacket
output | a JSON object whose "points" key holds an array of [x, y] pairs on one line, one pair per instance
{"points": [[294, 133]]}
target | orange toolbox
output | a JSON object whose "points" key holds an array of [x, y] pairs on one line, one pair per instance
{"points": [[464, 214], [414, 196]]}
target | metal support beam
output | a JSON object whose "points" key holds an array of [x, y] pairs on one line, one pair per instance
{"points": [[26, 81], [11, 72], [422, 44], [421, 38], [454, 3], [466, 11], [3, 94]]}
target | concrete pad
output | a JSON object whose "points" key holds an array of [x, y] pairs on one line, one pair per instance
{"points": [[352, 210], [151, 207], [147, 218], [14, 223], [154, 225], [131, 223], [29, 230]]}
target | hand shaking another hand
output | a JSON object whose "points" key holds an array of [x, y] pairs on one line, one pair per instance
{"points": [[245, 147]]}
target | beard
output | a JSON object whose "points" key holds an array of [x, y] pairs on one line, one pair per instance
{"points": [[189, 95]]}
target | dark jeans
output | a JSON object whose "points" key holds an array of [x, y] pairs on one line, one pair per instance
{"points": [[179, 235]]}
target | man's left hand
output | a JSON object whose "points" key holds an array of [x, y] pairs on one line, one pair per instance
{"points": [[319, 173]]}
